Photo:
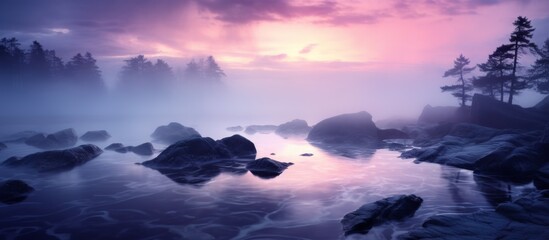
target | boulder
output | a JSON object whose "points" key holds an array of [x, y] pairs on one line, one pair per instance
{"points": [[263, 129], [489, 112], [541, 179], [443, 114], [267, 167], [142, 149], [55, 160], [174, 132], [2, 146], [95, 136], [525, 218], [294, 127], [235, 129], [352, 128], [369, 215], [62, 139], [202, 150], [543, 105], [14, 191], [306, 155], [114, 146]]}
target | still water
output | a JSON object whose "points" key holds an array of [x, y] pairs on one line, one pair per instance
{"points": [[111, 197]]}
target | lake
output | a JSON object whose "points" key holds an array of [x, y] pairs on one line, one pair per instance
{"points": [[111, 197]]}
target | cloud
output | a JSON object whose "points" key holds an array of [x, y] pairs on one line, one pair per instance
{"points": [[308, 48]]}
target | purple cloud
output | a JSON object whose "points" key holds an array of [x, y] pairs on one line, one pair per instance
{"points": [[308, 48]]}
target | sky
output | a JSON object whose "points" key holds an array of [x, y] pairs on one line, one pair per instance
{"points": [[341, 55]]}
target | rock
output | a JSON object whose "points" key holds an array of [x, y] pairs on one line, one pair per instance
{"points": [[294, 127], [235, 129], [114, 146], [2, 146], [202, 150], [306, 155], [55, 160], [372, 214], [62, 139], [353, 128], [14, 191], [525, 218], [384, 134], [541, 178], [489, 112], [396, 123], [263, 129], [95, 136], [174, 132], [267, 167], [272, 154], [443, 114], [142, 149], [19, 137]]}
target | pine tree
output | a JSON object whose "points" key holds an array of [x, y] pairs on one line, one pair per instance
{"points": [[520, 40], [464, 86], [540, 70], [496, 71]]}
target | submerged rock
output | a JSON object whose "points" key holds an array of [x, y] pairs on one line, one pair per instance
{"points": [[2, 146], [525, 218], [235, 129], [294, 127], [95, 136], [379, 212], [174, 132], [267, 167], [114, 146], [142, 149], [201, 150], [263, 129], [14, 191], [62, 139], [354, 128], [56, 160]]}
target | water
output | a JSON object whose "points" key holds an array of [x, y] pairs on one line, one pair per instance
{"points": [[111, 197]]}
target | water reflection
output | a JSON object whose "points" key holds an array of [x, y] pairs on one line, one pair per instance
{"points": [[494, 190], [348, 151]]}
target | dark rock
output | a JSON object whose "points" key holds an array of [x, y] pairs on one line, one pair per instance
{"points": [[383, 134], [19, 137], [56, 160], [443, 114], [114, 146], [14, 191], [174, 132], [2, 146], [541, 179], [294, 127], [201, 150], [143, 149], [353, 128], [489, 112], [235, 129], [379, 212], [62, 139], [525, 218], [306, 155], [266, 167], [123, 149], [396, 123], [272, 154], [93, 136], [263, 129]]}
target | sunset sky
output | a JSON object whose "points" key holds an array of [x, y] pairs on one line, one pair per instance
{"points": [[376, 43]]}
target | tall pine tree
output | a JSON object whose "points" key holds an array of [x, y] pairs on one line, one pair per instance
{"points": [[463, 87]]}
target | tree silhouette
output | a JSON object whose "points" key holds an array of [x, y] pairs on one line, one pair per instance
{"points": [[520, 40], [139, 74], [82, 72], [496, 71], [212, 71], [37, 63], [12, 62], [464, 86], [203, 71], [540, 70]]}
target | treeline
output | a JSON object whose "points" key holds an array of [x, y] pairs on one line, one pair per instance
{"points": [[37, 68], [501, 76]]}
